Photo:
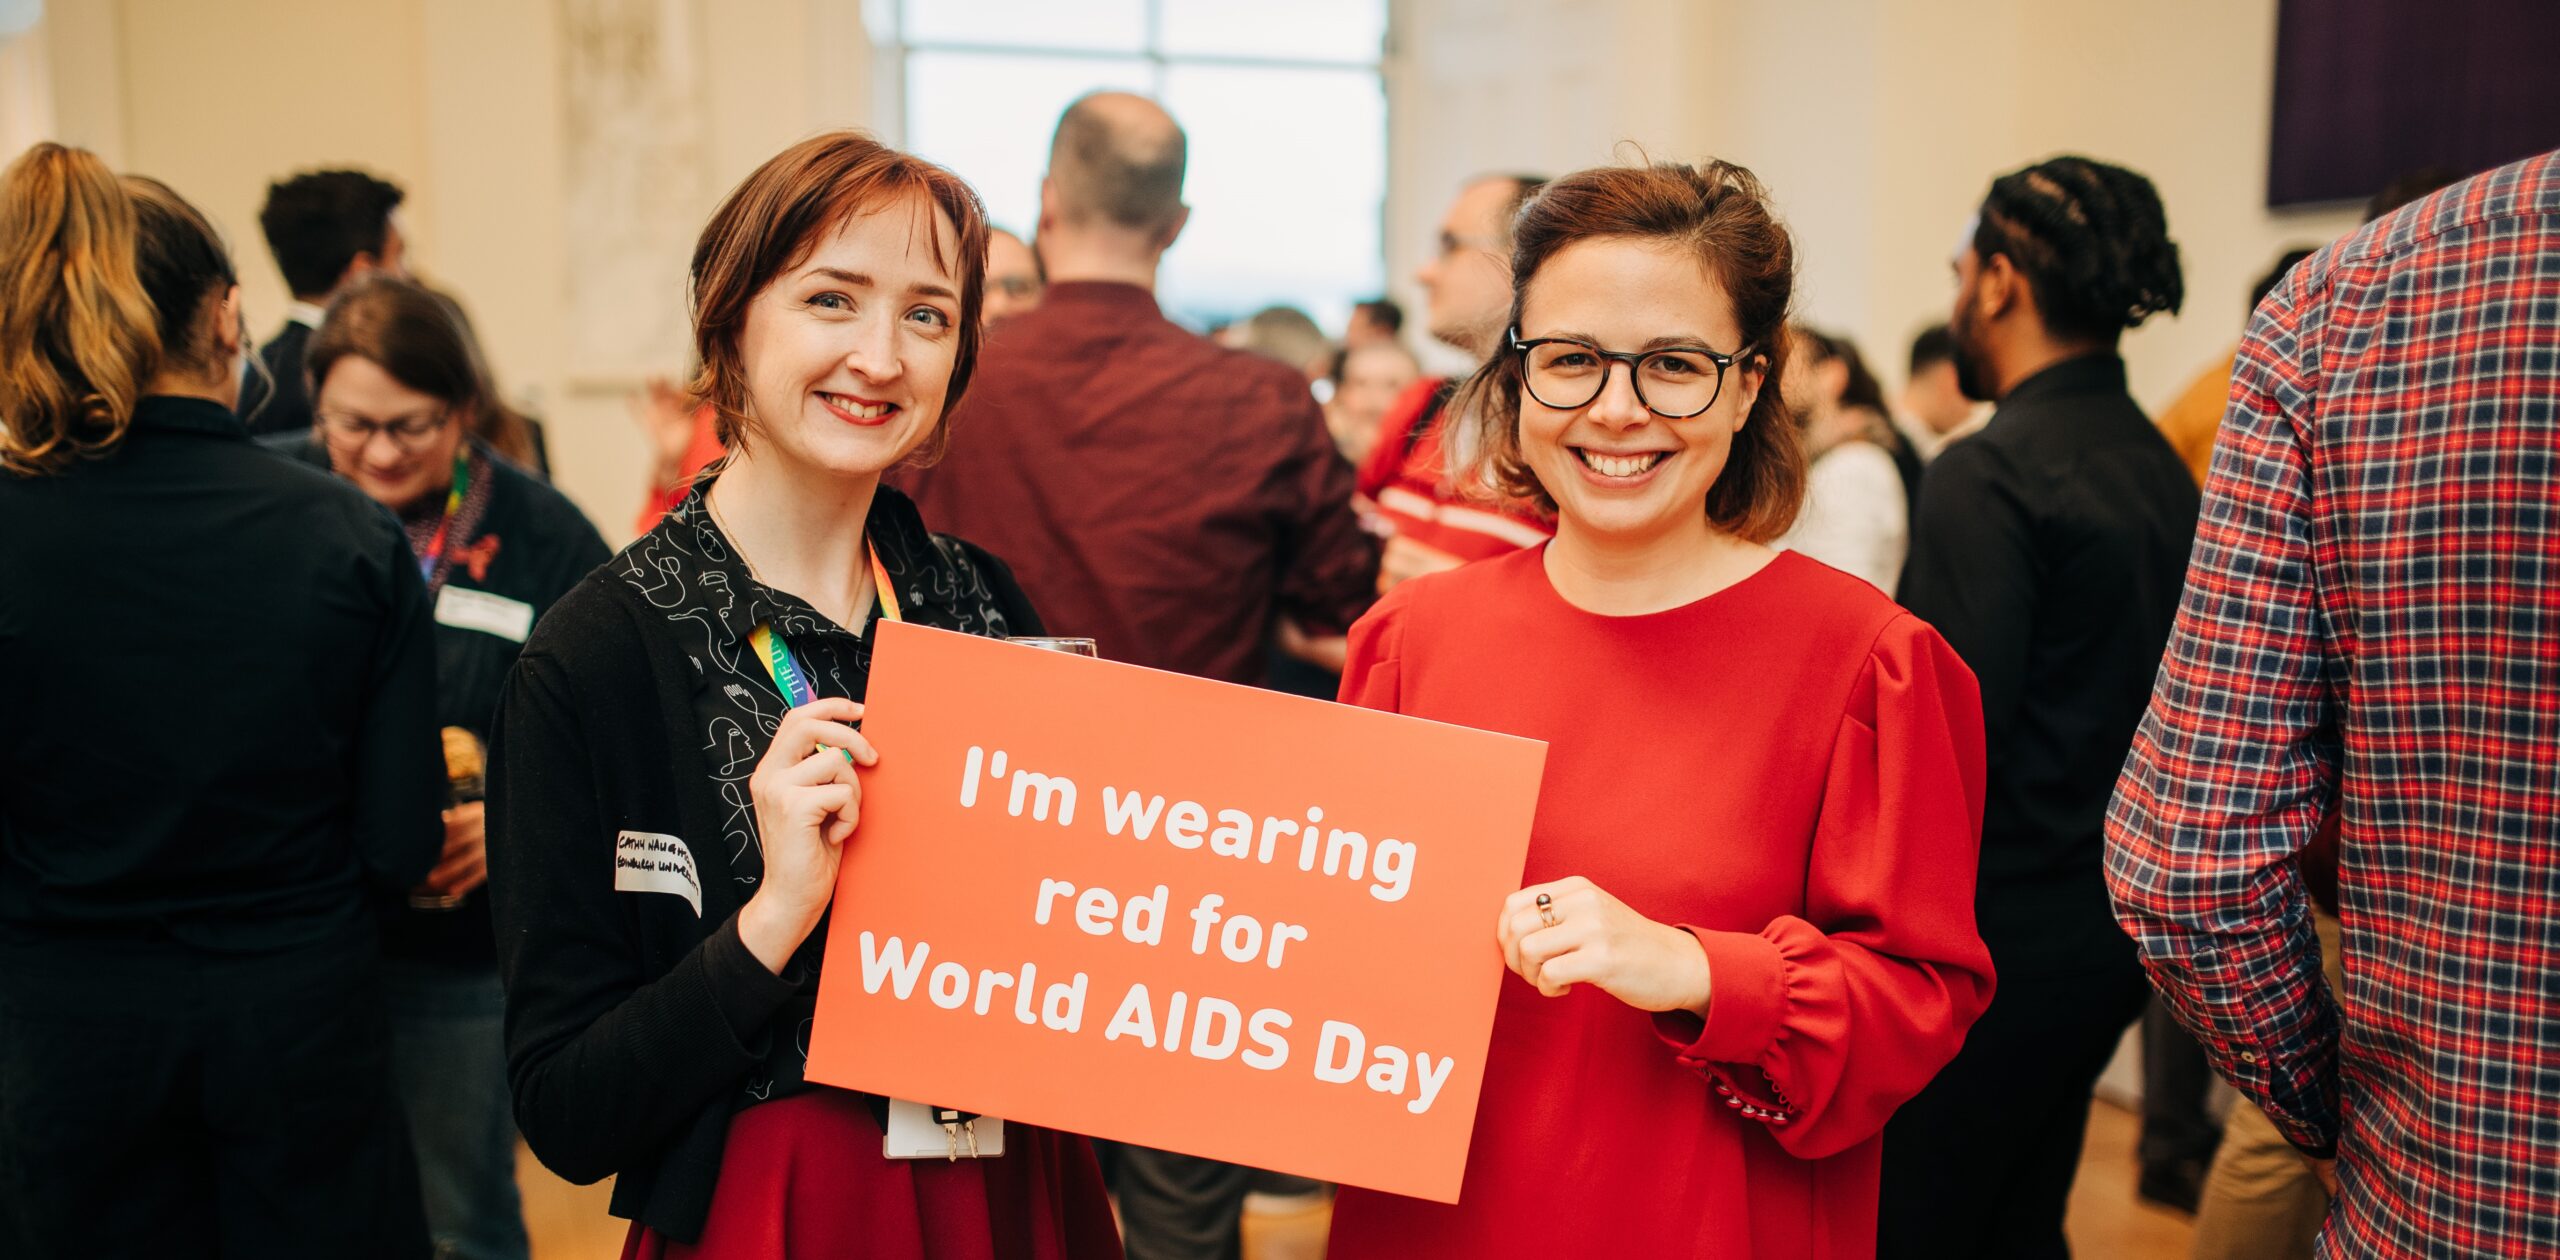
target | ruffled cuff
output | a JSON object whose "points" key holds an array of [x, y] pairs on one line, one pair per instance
{"points": [[1746, 1013]]}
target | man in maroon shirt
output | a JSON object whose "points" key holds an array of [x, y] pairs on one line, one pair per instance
{"points": [[1171, 499]]}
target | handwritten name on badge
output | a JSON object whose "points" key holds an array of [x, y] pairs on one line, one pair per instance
{"points": [[645, 861]]}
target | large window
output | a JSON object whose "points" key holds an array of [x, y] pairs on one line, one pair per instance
{"points": [[1283, 103]]}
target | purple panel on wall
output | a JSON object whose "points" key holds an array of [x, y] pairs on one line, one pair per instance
{"points": [[2368, 90]]}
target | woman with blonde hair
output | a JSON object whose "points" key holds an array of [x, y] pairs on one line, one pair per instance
{"points": [[221, 734]]}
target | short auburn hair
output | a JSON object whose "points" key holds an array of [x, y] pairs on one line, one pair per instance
{"points": [[769, 223], [1719, 213]]}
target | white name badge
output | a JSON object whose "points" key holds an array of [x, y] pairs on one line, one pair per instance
{"points": [[466, 609], [914, 1135], [645, 861]]}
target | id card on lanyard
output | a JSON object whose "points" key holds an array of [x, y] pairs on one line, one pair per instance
{"points": [[914, 1131]]}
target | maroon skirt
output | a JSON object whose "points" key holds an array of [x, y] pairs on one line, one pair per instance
{"points": [[803, 1177]]}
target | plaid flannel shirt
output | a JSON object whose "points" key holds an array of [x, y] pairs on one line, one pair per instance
{"points": [[2372, 622]]}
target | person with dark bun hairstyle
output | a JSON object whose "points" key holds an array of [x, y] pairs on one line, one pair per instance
{"points": [[220, 738], [1747, 930], [695, 700], [2049, 550]]}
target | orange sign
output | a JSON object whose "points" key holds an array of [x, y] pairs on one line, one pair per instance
{"points": [[1184, 914]]}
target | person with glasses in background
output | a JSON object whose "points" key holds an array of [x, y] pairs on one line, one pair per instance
{"points": [[1746, 933], [1015, 277], [404, 409], [220, 735], [1431, 521]]}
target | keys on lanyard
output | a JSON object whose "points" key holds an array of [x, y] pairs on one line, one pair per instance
{"points": [[957, 1124], [916, 1131]]}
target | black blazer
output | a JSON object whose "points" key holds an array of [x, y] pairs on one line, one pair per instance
{"points": [[279, 400]]}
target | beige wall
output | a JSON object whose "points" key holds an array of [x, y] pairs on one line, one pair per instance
{"points": [[1878, 124], [1478, 87], [462, 102]]}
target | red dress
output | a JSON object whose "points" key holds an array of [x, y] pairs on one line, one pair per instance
{"points": [[1790, 768], [802, 1178]]}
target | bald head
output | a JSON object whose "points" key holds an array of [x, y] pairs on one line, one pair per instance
{"points": [[1118, 159]]}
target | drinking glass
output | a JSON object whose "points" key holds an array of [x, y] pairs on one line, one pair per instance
{"points": [[1047, 643]]}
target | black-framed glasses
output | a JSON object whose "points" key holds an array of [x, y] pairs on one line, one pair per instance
{"points": [[1675, 382], [408, 432]]}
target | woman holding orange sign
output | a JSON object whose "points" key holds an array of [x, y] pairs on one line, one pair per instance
{"points": [[1748, 932], [677, 767]]}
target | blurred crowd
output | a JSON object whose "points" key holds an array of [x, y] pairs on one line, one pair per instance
{"points": [[294, 979]]}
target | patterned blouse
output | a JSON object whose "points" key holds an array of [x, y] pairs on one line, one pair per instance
{"points": [[686, 568]]}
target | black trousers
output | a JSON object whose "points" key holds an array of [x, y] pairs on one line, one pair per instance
{"points": [[156, 1101], [1980, 1164], [1179, 1207]]}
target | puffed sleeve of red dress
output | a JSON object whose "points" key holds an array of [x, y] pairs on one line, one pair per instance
{"points": [[1821, 1026], [1369, 667]]}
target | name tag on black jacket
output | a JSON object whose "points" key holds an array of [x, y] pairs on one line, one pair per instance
{"points": [[467, 609]]}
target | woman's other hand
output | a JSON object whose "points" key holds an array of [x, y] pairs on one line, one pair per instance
{"points": [[1585, 936], [807, 801]]}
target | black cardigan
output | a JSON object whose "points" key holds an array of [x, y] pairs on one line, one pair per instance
{"points": [[631, 1023]]}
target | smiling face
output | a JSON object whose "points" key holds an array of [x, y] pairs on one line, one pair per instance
{"points": [[1613, 467], [848, 353], [361, 414]]}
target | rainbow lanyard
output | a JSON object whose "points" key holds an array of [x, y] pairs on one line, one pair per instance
{"points": [[788, 677], [434, 553]]}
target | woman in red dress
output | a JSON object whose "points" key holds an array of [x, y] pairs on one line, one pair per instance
{"points": [[1747, 933]]}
